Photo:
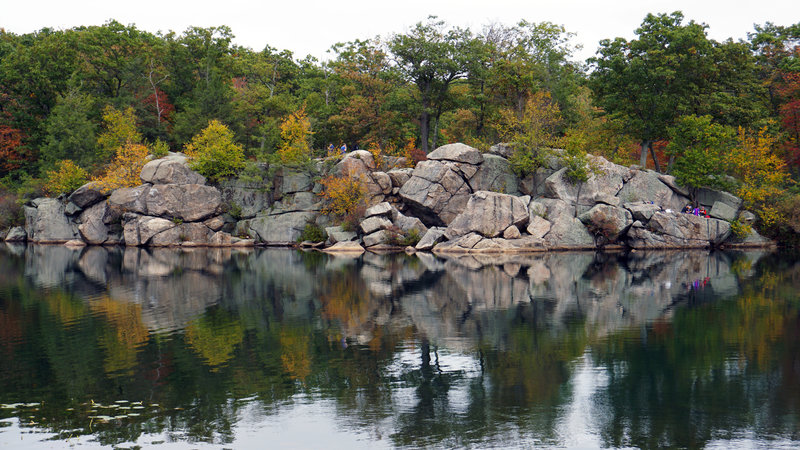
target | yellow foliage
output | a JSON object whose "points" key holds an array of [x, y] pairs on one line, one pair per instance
{"points": [[762, 172], [295, 355], [215, 338], [535, 127], [67, 177], [214, 154], [120, 130], [344, 194], [295, 133], [125, 334], [125, 169]]}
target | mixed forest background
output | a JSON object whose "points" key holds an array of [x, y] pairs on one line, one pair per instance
{"points": [[82, 103]]}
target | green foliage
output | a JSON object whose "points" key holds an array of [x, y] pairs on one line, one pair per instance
{"points": [[313, 233], [525, 161], [740, 230], [65, 178], [404, 239], [214, 154], [159, 149], [699, 147], [70, 132], [120, 129]]}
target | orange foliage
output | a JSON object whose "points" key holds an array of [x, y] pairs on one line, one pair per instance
{"points": [[11, 156], [344, 194]]}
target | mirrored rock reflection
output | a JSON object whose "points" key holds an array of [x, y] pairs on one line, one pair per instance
{"points": [[434, 351], [447, 300]]}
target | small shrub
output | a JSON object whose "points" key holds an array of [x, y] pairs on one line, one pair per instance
{"points": [[159, 149], [344, 195], [739, 230], [11, 213], [66, 177], [124, 170], [413, 154], [312, 232], [235, 210], [214, 153]]}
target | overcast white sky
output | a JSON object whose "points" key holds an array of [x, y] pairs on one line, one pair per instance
{"points": [[312, 26]]}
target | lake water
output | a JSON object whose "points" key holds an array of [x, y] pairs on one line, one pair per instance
{"points": [[127, 347]]}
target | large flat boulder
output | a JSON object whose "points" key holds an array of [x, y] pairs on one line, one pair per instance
{"points": [[170, 170], [187, 202], [495, 175], [46, 222], [669, 230], [437, 192], [488, 214], [707, 198], [457, 152], [606, 221], [137, 230], [279, 229], [87, 195], [646, 186]]}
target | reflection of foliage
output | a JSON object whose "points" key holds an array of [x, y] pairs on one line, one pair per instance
{"points": [[125, 334], [214, 336], [295, 354]]}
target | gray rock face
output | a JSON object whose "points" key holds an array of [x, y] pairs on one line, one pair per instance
{"points": [[642, 211], [337, 234], [707, 198], [569, 233], [170, 170], [475, 243], [406, 223], [297, 202], [647, 187], [722, 211], [538, 226], [679, 230], [243, 199], [495, 175], [46, 222], [137, 230], [430, 238], [437, 191], [183, 234], [87, 195], [188, 202], [133, 199], [512, 232], [488, 214], [384, 181], [381, 209], [502, 149], [374, 223], [93, 229], [291, 182], [377, 238], [280, 229], [607, 221], [457, 153], [400, 176], [16, 234], [599, 187], [669, 180]]}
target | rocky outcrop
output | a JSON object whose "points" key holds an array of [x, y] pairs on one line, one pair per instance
{"points": [[46, 222], [488, 214], [677, 230], [172, 169]]}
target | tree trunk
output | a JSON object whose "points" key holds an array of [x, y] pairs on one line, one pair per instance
{"points": [[643, 158], [655, 160], [424, 128]]}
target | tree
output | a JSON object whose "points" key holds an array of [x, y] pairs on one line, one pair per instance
{"points": [[432, 57], [701, 148], [70, 132], [120, 129], [651, 81], [125, 169], [214, 154], [296, 138]]}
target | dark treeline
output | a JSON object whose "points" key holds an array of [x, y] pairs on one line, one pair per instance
{"points": [[430, 85]]}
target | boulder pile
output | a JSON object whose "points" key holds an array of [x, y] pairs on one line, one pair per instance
{"points": [[459, 200]]}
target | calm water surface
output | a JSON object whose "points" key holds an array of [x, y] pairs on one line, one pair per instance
{"points": [[113, 347]]}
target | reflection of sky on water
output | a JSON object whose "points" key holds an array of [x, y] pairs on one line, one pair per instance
{"points": [[577, 427]]}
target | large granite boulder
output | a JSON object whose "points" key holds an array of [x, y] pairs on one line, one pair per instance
{"points": [[723, 211], [457, 152], [669, 230], [129, 200], [187, 202], [707, 198], [495, 175], [185, 234], [646, 186], [137, 230], [87, 195], [16, 234], [602, 186], [566, 230], [93, 228], [47, 222], [437, 191], [642, 211], [288, 182], [608, 222], [172, 169], [475, 243], [488, 214], [279, 229], [244, 200]]}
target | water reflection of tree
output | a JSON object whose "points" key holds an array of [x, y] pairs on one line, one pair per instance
{"points": [[728, 365]]}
